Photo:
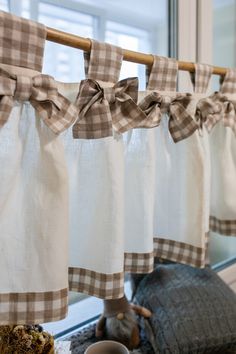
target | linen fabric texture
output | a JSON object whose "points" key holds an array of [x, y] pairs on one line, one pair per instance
{"points": [[34, 184], [180, 204], [96, 175], [218, 114], [120, 206]]}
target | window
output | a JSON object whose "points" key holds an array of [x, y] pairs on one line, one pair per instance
{"points": [[129, 38], [4, 5], [224, 34], [64, 63]]}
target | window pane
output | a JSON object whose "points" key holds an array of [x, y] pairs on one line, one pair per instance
{"points": [[4, 5], [224, 39], [146, 32], [64, 63], [25, 8], [129, 38], [224, 54]]}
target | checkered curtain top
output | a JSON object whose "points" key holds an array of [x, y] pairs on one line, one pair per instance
{"points": [[163, 77], [106, 106], [103, 62], [228, 83], [201, 77], [21, 42], [163, 74]]}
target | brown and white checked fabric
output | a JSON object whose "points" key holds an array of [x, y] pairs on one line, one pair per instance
{"points": [[228, 83], [201, 77], [223, 227], [21, 42], [22, 46], [180, 252], [211, 110], [181, 123], [216, 108], [228, 87], [31, 308], [139, 262], [104, 109], [109, 286], [163, 74], [163, 77], [57, 112], [105, 286], [103, 62]]}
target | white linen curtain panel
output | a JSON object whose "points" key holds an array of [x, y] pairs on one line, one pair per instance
{"points": [[98, 179], [34, 210]]}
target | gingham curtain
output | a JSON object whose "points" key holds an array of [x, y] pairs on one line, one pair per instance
{"points": [[34, 190], [130, 200], [217, 113], [127, 180]]}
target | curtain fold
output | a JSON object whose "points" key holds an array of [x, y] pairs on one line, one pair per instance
{"points": [[34, 215], [137, 195], [223, 160]]}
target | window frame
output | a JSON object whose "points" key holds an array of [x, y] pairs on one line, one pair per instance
{"points": [[195, 35]]}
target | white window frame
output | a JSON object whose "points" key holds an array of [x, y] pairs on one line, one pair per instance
{"points": [[195, 34]]}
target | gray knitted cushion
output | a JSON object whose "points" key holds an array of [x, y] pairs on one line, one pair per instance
{"points": [[194, 311]]}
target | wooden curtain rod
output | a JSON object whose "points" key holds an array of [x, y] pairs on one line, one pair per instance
{"points": [[82, 43]]}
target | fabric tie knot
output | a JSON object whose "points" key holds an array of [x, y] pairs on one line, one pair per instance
{"points": [[181, 123], [103, 111], [23, 88], [215, 108], [57, 112], [165, 104], [109, 94]]}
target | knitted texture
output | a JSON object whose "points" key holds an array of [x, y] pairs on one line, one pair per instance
{"points": [[194, 311]]}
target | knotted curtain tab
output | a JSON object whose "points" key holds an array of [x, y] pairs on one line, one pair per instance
{"points": [[215, 108], [181, 123], [163, 77], [103, 62], [102, 109], [228, 83], [219, 106], [21, 42], [163, 74], [57, 112], [201, 77]]}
